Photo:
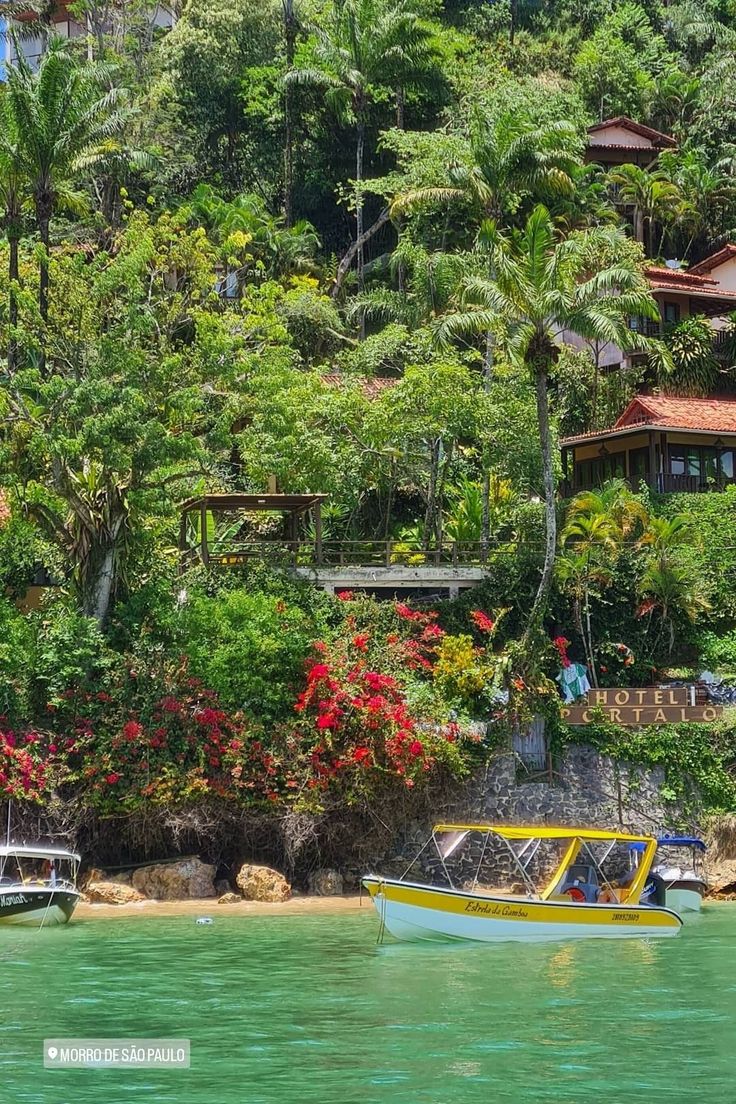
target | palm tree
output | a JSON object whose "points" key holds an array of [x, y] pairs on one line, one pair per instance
{"points": [[291, 28], [653, 197], [597, 527], [365, 46], [13, 193], [541, 290], [63, 118], [508, 155]]}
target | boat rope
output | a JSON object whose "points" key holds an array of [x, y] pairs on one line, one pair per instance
{"points": [[380, 895], [480, 860], [46, 910]]}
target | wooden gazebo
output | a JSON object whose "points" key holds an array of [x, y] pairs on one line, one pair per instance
{"points": [[213, 526]]}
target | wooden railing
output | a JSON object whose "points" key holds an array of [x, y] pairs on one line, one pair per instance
{"points": [[353, 553]]}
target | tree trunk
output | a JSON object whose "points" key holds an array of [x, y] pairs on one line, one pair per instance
{"points": [[485, 534], [344, 267], [43, 218], [14, 277], [434, 465], [359, 156], [290, 29], [514, 20], [550, 507], [100, 583]]}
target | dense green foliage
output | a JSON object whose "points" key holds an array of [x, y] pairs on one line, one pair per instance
{"points": [[333, 245]]}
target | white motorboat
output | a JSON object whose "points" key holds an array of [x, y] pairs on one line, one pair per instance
{"points": [[684, 883], [38, 884]]}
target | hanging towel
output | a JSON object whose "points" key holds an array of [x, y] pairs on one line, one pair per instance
{"points": [[574, 682]]}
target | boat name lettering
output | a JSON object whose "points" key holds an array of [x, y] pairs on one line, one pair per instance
{"points": [[629, 917], [494, 908], [13, 899]]}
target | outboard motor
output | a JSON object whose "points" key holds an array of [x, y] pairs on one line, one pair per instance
{"points": [[655, 891]]}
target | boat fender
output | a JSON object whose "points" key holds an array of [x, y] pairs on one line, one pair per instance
{"points": [[205, 920]]}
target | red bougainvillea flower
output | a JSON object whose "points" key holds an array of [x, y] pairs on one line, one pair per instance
{"points": [[362, 755], [379, 682], [360, 641], [561, 643], [416, 748], [406, 613], [132, 730], [344, 595], [112, 778], [482, 621], [317, 671]]}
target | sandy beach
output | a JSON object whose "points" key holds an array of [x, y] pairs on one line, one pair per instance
{"points": [[297, 906]]}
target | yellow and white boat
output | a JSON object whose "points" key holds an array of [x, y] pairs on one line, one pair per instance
{"points": [[580, 900]]}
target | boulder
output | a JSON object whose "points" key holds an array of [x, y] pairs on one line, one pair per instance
{"points": [[230, 899], [111, 893], [179, 881], [325, 883], [261, 883]]}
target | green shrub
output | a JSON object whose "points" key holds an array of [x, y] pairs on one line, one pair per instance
{"points": [[248, 648]]}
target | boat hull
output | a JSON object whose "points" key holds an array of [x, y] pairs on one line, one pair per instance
{"points": [[685, 896], [417, 913], [36, 906]]}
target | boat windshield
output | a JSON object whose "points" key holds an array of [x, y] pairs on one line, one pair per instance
{"points": [[30, 868]]}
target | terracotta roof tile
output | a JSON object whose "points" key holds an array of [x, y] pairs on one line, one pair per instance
{"points": [[709, 263], [669, 411], [623, 121]]}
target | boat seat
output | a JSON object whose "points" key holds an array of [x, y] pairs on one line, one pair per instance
{"points": [[588, 889]]}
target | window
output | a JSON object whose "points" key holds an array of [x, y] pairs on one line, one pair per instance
{"points": [[706, 463], [672, 313]]}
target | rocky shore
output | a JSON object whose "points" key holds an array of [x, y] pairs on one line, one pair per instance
{"points": [[190, 880]]}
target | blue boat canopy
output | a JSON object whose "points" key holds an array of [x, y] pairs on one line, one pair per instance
{"points": [[681, 841]]}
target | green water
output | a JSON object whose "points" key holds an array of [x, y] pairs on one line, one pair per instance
{"points": [[301, 1009]]}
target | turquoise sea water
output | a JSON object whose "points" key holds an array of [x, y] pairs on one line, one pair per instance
{"points": [[292, 1009]]}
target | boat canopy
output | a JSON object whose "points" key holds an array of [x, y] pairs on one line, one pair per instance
{"points": [[682, 841], [543, 831], [23, 851]]}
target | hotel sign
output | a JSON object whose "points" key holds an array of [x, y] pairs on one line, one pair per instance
{"points": [[645, 706]]}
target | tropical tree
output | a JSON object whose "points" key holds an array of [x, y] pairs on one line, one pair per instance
{"points": [[364, 48], [544, 294], [598, 526], [13, 193], [655, 199], [508, 156], [62, 116]]}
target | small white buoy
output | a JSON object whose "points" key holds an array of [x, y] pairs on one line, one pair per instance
{"points": [[205, 920]]}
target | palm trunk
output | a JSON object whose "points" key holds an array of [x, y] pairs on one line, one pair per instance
{"points": [[14, 277], [44, 208], [290, 28], [485, 534], [359, 157], [541, 600]]}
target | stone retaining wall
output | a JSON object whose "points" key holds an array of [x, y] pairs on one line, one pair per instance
{"points": [[588, 789]]}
